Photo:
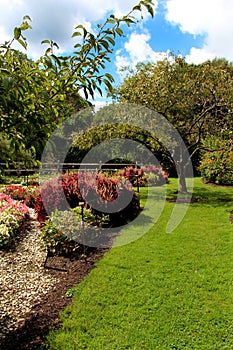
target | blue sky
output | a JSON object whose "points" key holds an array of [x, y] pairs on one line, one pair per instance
{"points": [[197, 29]]}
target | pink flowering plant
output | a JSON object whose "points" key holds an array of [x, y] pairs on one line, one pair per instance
{"points": [[13, 214], [27, 194]]}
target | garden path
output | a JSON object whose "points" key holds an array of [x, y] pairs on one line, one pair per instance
{"points": [[32, 296]]}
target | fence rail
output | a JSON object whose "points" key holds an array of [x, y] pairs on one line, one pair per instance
{"points": [[21, 170]]}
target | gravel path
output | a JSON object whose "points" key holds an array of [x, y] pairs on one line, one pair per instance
{"points": [[23, 280], [31, 296]]}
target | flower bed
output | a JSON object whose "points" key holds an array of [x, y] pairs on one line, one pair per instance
{"points": [[27, 194], [13, 214], [95, 192]]}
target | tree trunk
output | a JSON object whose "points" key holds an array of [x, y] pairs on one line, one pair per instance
{"points": [[182, 180], [182, 185]]}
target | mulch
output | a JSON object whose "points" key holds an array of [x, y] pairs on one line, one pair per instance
{"points": [[45, 315]]}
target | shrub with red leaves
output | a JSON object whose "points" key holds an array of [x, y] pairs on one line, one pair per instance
{"points": [[22, 193], [156, 175], [95, 190], [149, 175], [57, 193]]}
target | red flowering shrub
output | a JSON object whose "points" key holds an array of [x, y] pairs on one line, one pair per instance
{"points": [[22, 193]]}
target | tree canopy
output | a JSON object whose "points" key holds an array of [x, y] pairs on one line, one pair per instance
{"points": [[35, 96], [196, 99]]}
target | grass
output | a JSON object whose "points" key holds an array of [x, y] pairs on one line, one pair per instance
{"points": [[161, 291]]}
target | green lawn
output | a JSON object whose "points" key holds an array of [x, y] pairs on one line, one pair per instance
{"points": [[162, 291]]}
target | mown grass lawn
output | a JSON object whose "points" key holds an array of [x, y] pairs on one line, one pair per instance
{"points": [[162, 291]]}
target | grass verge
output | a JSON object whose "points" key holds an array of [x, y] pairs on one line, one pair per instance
{"points": [[161, 291]]}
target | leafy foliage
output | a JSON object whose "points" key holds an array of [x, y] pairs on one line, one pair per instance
{"points": [[95, 135], [94, 190], [216, 165], [12, 216], [146, 176], [196, 99], [27, 194], [62, 231], [36, 96]]}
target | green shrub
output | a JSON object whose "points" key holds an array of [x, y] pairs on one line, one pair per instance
{"points": [[217, 166], [65, 231]]}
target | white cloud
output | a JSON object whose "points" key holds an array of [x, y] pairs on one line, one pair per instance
{"points": [[211, 18], [197, 56], [138, 50], [56, 19]]}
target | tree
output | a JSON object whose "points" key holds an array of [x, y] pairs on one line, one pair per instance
{"points": [[36, 96], [96, 135], [196, 99]]}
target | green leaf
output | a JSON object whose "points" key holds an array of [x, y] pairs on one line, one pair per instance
{"points": [[48, 62], [17, 33], [119, 31], [56, 45], [85, 93], [129, 21], [79, 26], [100, 91], [27, 17], [110, 21], [150, 10], [137, 7], [23, 43], [108, 84], [25, 26], [56, 59], [8, 82], [110, 77], [45, 41], [76, 34], [148, 4], [77, 45], [104, 43], [110, 40], [48, 51]]}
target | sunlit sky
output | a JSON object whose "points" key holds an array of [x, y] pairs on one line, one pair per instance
{"points": [[196, 29]]}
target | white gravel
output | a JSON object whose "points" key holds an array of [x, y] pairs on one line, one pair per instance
{"points": [[23, 280]]}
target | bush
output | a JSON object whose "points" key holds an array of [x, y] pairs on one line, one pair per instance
{"points": [[64, 232], [146, 176], [56, 193], [217, 166], [22, 193], [156, 176], [95, 190], [12, 216], [54, 239]]}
